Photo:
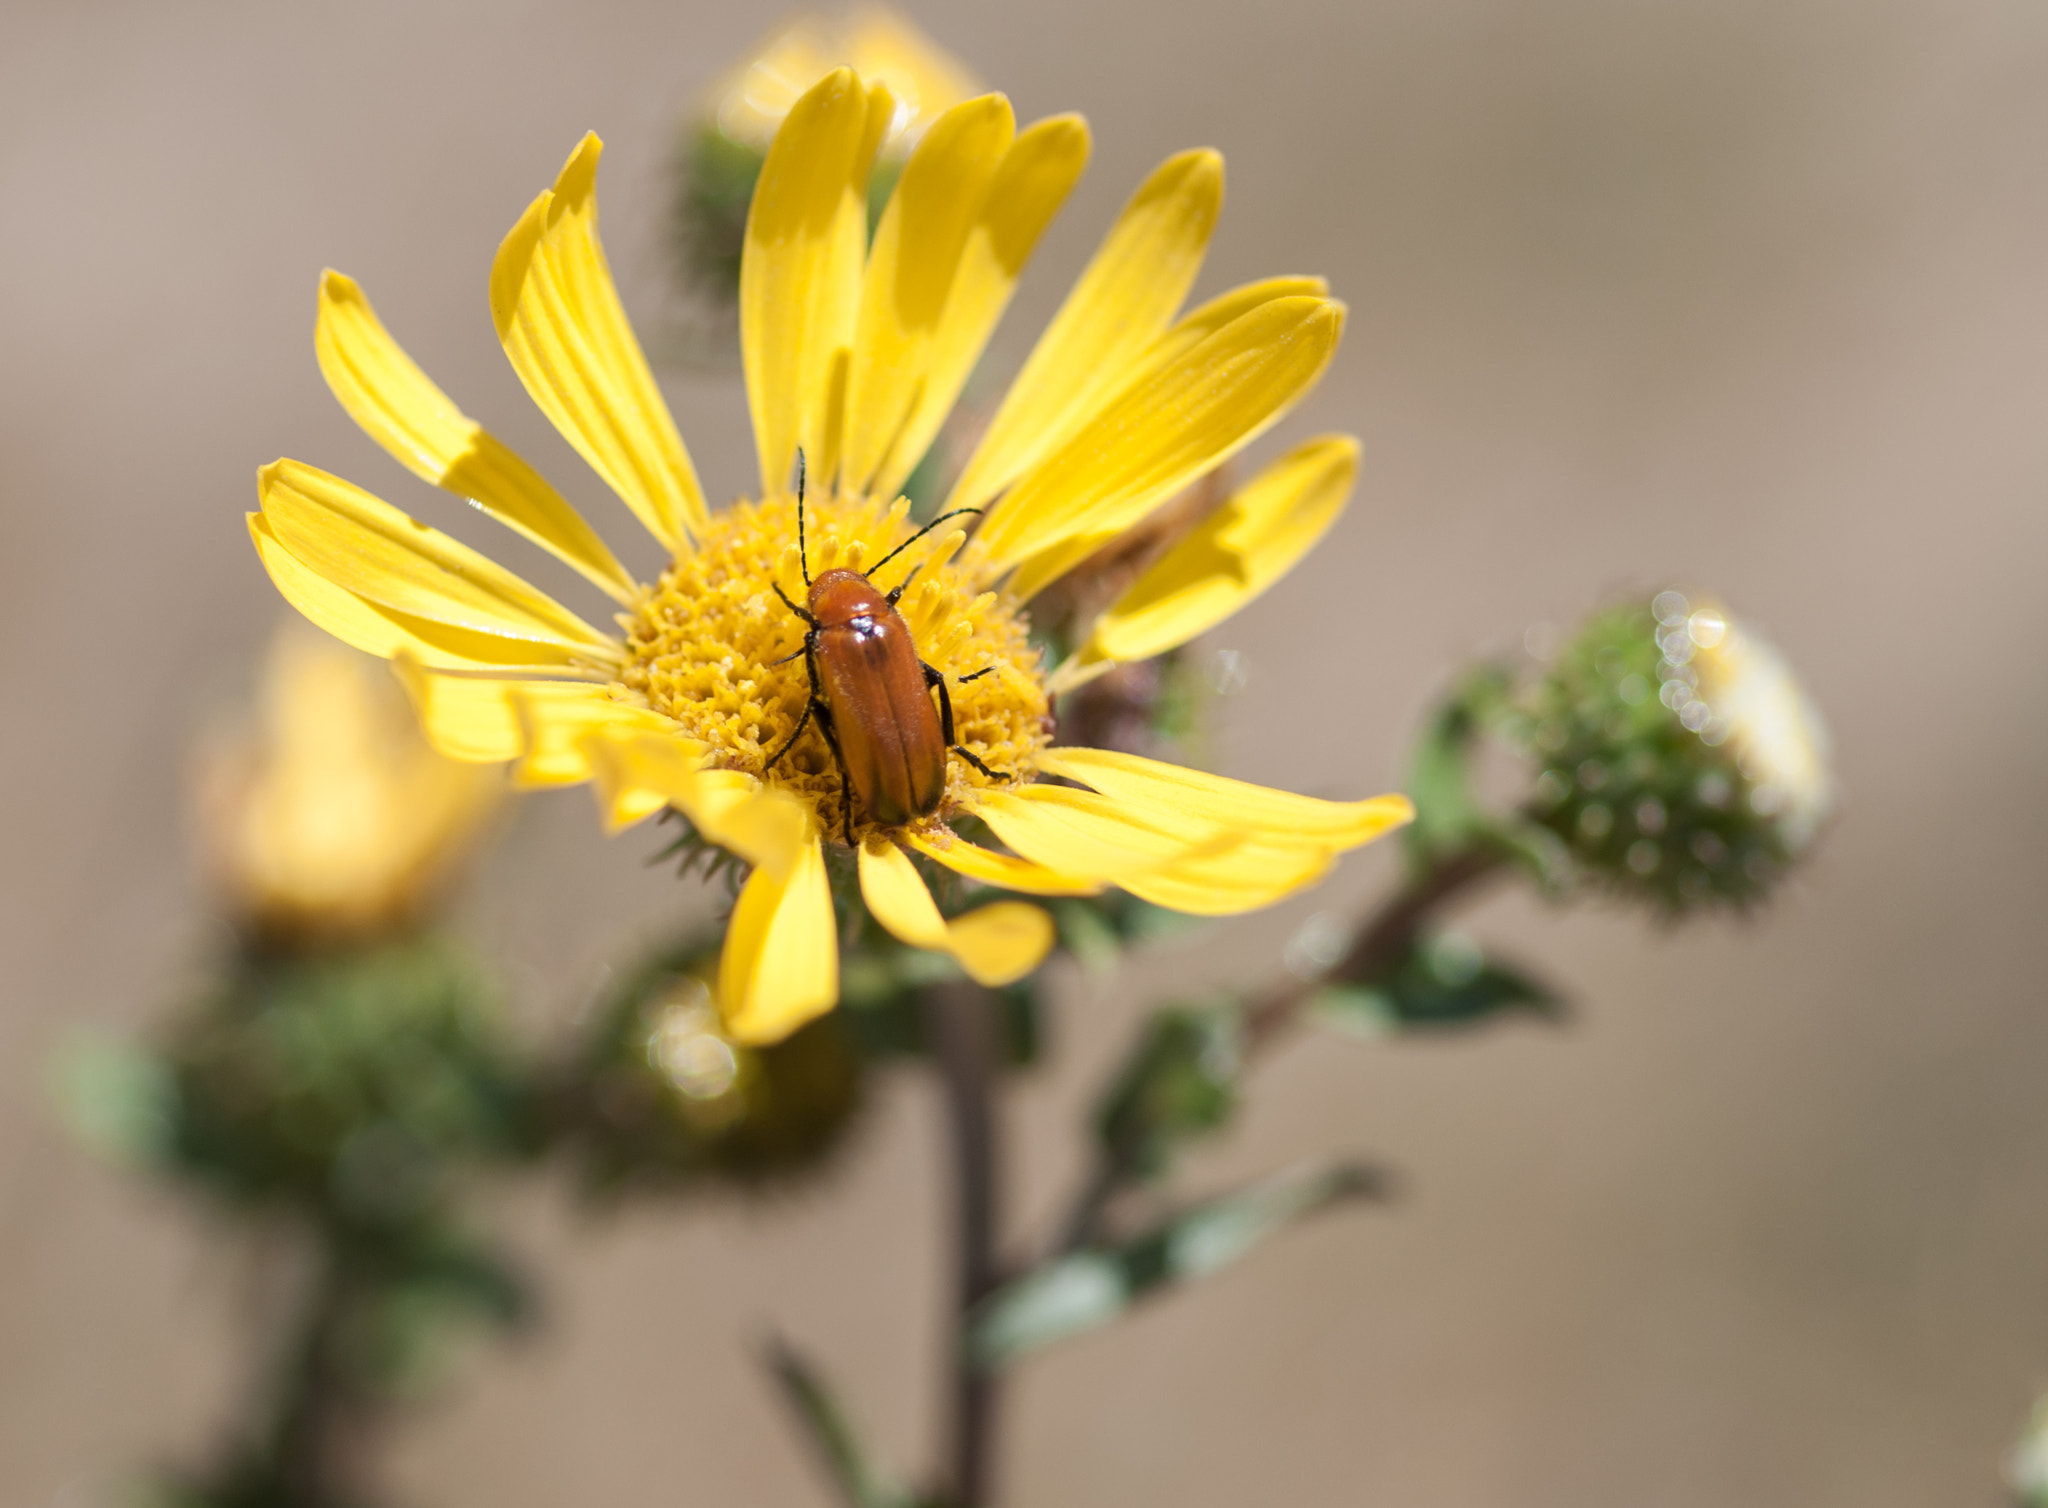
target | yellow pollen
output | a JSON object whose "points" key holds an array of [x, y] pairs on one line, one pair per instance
{"points": [[705, 641]]}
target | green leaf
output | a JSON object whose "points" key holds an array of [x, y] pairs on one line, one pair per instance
{"points": [[1180, 1082], [1089, 1289], [1448, 815], [830, 1432], [1446, 982]]}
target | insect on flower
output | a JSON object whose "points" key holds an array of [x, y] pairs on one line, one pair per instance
{"points": [[855, 348], [870, 692]]}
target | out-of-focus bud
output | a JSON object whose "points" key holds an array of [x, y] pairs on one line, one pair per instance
{"points": [[670, 1097], [1680, 759], [331, 821], [360, 1086], [726, 137], [750, 100]]}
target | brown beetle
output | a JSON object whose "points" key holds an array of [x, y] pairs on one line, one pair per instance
{"points": [[870, 693]]}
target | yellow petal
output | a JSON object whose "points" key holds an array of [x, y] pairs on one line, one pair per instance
{"points": [[911, 265], [561, 323], [1239, 879], [385, 392], [1122, 303], [992, 868], [996, 944], [780, 967], [354, 621], [420, 575], [800, 272], [1196, 326], [490, 719], [764, 826], [1047, 566], [1084, 834], [1036, 175], [1169, 427], [1230, 557], [1154, 791]]}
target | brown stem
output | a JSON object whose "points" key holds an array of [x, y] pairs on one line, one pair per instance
{"points": [[961, 1024], [1380, 945]]}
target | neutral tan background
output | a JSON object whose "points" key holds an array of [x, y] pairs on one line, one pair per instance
{"points": [[1748, 294]]}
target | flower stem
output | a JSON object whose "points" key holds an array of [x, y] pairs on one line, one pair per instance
{"points": [[1384, 938], [965, 1034]]}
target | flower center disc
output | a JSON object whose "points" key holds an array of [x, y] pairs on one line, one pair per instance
{"points": [[705, 641]]}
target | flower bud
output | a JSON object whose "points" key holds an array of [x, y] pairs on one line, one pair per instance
{"points": [[331, 821], [672, 1096], [725, 139], [1680, 760]]}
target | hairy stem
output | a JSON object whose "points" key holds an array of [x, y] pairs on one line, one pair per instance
{"points": [[963, 1028], [1381, 943]]}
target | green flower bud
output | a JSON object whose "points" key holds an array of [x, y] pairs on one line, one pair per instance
{"points": [[1680, 761], [670, 1097]]}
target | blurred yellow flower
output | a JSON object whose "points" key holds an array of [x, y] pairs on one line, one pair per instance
{"points": [[332, 819], [853, 356], [750, 100]]}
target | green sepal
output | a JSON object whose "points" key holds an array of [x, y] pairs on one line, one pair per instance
{"points": [[1088, 1289]]}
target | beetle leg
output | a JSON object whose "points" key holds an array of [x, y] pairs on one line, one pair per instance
{"points": [[825, 727], [985, 670], [934, 680], [895, 593], [792, 607], [801, 724], [975, 762]]}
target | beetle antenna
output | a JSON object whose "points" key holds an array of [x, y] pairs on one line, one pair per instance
{"points": [[796, 480], [920, 534]]}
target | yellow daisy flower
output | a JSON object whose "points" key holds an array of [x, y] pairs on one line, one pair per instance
{"points": [[853, 355]]}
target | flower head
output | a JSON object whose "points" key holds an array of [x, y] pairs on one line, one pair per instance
{"points": [[333, 820], [1682, 761], [717, 696], [751, 100]]}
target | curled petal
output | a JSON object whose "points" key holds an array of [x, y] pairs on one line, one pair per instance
{"points": [[418, 575], [766, 827], [1229, 558], [910, 270], [561, 323], [541, 724], [996, 944], [1159, 434], [780, 967], [1082, 833], [992, 868], [800, 272], [1241, 878], [1155, 791], [1123, 302], [1029, 186], [400, 408], [353, 621]]}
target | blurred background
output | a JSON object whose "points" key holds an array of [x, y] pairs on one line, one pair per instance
{"points": [[1748, 295]]}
